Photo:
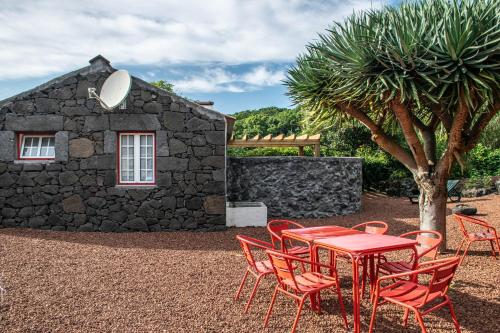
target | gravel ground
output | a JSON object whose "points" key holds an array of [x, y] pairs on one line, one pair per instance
{"points": [[184, 282]]}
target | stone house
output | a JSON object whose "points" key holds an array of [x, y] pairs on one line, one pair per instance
{"points": [[68, 164]]}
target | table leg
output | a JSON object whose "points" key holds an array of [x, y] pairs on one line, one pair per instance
{"points": [[355, 294], [373, 278]]}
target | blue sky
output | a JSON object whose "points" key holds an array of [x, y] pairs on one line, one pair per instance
{"points": [[232, 52]]}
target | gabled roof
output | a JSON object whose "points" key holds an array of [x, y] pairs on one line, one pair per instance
{"points": [[101, 64]]}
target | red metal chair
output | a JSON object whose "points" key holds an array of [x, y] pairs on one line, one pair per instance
{"points": [[486, 233], [427, 248], [275, 227], [415, 296], [372, 227], [259, 269], [301, 286]]}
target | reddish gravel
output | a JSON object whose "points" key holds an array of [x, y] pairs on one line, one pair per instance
{"points": [[184, 282]]}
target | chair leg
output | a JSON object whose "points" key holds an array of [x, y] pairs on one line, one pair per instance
{"points": [[493, 249], [420, 321], [363, 276], [241, 285], [454, 317], [254, 290], [405, 317], [465, 252], [268, 314], [374, 313], [341, 302], [457, 254], [297, 317]]}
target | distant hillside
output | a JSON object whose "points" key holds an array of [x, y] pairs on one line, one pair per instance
{"points": [[270, 120]]}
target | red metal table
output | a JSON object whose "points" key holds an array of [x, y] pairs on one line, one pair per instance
{"points": [[356, 246], [309, 235]]}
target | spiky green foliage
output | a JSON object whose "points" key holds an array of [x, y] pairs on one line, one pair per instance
{"points": [[423, 53]]}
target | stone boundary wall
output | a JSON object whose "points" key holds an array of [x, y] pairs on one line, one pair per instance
{"points": [[78, 190], [297, 186]]}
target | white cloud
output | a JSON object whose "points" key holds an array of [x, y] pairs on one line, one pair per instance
{"points": [[41, 37], [220, 79]]}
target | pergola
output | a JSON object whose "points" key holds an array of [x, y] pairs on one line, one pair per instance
{"points": [[279, 141]]}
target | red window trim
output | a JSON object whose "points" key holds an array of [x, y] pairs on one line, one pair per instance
{"points": [[19, 138], [119, 159]]}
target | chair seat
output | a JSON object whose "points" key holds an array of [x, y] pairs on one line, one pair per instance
{"points": [[298, 250], [264, 267], [310, 281], [408, 293], [475, 236], [395, 267]]}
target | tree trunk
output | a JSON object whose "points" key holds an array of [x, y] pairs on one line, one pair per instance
{"points": [[432, 205]]}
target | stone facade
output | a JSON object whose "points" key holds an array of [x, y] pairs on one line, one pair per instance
{"points": [[297, 186], [78, 189]]}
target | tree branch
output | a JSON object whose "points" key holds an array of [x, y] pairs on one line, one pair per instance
{"points": [[475, 132], [381, 138], [407, 125], [429, 137], [454, 136]]}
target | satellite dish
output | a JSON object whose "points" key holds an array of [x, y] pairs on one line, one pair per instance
{"points": [[114, 91]]}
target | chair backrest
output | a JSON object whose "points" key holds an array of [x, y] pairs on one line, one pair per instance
{"points": [[427, 245], [451, 184], [463, 220], [275, 227], [247, 243], [283, 268], [442, 272], [372, 227]]}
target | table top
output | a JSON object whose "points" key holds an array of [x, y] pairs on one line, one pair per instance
{"points": [[313, 233], [366, 243]]}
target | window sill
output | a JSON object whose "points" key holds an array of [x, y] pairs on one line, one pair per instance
{"points": [[136, 187], [34, 161]]}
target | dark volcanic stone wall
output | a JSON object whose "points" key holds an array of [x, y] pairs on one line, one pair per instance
{"points": [[78, 191], [297, 186]]}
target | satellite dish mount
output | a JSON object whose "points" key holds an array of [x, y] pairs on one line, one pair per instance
{"points": [[114, 91]]}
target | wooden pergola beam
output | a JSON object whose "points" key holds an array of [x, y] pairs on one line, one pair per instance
{"points": [[279, 141]]}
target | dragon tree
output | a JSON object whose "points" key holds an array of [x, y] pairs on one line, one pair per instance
{"points": [[420, 69]]}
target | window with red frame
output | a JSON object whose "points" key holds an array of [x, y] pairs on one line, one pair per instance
{"points": [[36, 146], [136, 160]]}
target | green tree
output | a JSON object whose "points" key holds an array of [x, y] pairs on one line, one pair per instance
{"points": [[419, 68], [162, 84]]}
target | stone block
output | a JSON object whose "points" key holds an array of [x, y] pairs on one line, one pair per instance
{"points": [[38, 123], [73, 204], [7, 146], [197, 124], [67, 178], [172, 164], [162, 143], [214, 161], [61, 93], [74, 111], [202, 151], [46, 105], [174, 121], [216, 137], [176, 147], [152, 107], [137, 224], [23, 107], [96, 123], [134, 122], [81, 148], [100, 162], [109, 142], [6, 180], [61, 146]]}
